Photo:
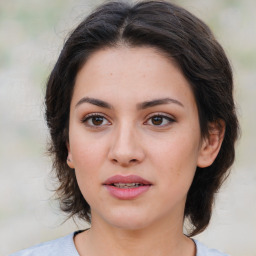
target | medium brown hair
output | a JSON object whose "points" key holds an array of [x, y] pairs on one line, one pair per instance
{"points": [[183, 38]]}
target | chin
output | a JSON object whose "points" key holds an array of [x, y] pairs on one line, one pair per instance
{"points": [[129, 221]]}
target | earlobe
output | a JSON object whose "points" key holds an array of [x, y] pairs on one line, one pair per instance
{"points": [[70, 163], [211, 145], [69, 158]]}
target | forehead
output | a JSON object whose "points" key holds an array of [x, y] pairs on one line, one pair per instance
{"points": [[139, 73]]}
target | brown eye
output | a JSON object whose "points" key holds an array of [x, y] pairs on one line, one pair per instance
{"points": [[160, 120], [97, 120], [157, 120]]}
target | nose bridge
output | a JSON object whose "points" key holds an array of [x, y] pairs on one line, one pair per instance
{"points": [[126, 147]]}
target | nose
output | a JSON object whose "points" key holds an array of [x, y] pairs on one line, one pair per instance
{"points": [[126, 147]]}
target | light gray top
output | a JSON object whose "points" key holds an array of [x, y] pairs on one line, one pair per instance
{"points": [[65, 246]]}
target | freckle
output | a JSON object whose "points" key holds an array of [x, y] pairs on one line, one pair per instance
{"points": [[111, 74]]}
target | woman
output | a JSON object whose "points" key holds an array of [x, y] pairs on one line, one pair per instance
{"points": [[143, 126]]}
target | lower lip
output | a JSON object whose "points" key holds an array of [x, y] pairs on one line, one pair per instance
{"points": [[127, 193]]}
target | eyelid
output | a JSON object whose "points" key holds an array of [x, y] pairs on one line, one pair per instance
{"points": [[87, 116], [169, 117], [160, 114]]}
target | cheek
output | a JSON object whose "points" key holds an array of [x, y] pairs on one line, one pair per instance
{"points": [[175, 158], [87, 157], [86, 151], [174, 149]]}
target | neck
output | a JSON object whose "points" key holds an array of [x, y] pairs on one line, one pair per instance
{"points": [[158, 240]]}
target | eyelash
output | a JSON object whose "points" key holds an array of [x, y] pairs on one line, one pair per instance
{"points": [[164, 117], [100, 115], [90, 116]]}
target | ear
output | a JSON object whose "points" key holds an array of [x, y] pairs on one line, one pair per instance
{"points": [[69, 158], [211, 145]]}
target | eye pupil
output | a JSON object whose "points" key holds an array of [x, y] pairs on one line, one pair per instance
{"points": [[97, 120], [157, 120]]}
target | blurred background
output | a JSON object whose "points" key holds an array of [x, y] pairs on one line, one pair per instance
{"points": [[32, 33]]}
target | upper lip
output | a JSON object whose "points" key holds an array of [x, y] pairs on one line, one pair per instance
{"points": [[126, 179]]}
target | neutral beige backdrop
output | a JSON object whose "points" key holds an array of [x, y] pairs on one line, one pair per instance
{"points": [[31, 35]]}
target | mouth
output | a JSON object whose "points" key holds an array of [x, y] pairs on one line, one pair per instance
{"points": [[127, 187], [127, 181]]}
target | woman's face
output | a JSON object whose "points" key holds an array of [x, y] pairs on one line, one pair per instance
{"points": [[134, 137]]}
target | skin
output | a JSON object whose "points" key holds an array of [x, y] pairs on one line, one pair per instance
{"points": [[127, 140]]}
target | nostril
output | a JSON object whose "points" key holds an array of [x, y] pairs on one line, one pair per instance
{"points": [[124, 162]]}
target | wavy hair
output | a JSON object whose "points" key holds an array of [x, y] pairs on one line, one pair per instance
{"points": [[182, 37]]}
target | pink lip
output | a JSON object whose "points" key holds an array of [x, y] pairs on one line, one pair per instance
{"points": [[126, 193], [126, 179]]}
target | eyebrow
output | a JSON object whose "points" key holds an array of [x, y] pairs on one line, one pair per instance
{"points": [[156, 102], [97, 102], [140, 106]]}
